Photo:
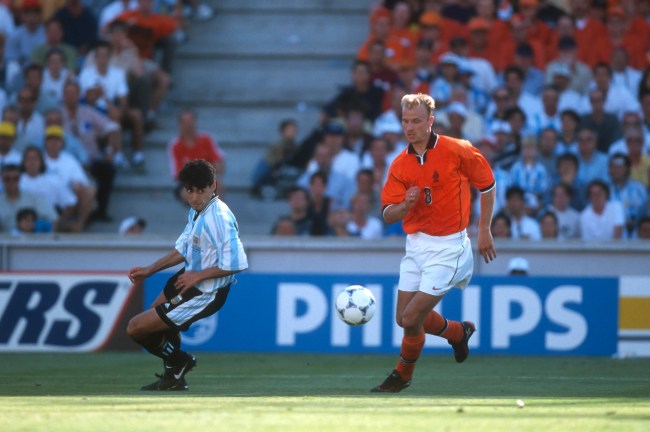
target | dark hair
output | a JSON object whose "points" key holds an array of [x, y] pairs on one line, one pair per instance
{"points": [[285, 123], [567, 189], [573, 114], [501, 215], [103, 44], [568, 157], [512, 111], [53, 51], [624, 157], [514, 70], [26, 211], [117, 25], [40, 157], [515, 190], [598, 183], [366, 171], [318, 174], [10, 167], [551, 214], [197, 173]]}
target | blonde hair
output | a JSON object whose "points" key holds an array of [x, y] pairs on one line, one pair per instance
{"points": [[411, 101]]}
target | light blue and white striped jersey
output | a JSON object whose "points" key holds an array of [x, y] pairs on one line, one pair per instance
{"points": [[212, 240], [531, 178]]}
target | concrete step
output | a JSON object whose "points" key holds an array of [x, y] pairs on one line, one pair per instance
{"points": [[234, 127], [255, 82], [283, 34], [308, 6]]}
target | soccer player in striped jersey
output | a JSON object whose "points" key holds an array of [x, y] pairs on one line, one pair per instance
{"points": [[428, 189], [212, 254]]}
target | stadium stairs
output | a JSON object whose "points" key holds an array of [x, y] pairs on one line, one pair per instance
{"points": [[252, 65]]}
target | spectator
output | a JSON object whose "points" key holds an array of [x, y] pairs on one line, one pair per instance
{"points": [[533, 76], [71, 174], [568, 64], [548, 139], [55, 76], [513, 78], [90, 125], [549, 116], [529, 174], [567, 173], [277, 158], [298, 199], [319, 204], [7, 26], [71, 144], [643, 228], [506, 151], [12, 200], [486, 146], [523, 226], [54, 40], [549, 226], [284, 227], [132, 226], [380, 74], [26, 219], [31, 124], [357, 139], [592, 164], [618, 36], [639, 161], [618, 99], [47, 187], [105, 87], [10, 72], [622, 73], [602, 219], [339, 185], [111, 11], [518, 266], [606, 126], [79, 26], [501, 226], [149, 30], [380, 25], [569, 99], [568, 138], [481, 46], [425, 69], [338, 221], [148, 83], [631, 122], [191, 144], [29, 35], [632, 194], [8, 154], [362, 90], [447, 77], [568, 218], [343, 160], [376, 160], [361, 223]]}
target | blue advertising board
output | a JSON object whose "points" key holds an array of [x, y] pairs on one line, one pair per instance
{"points": [[513, 315]]}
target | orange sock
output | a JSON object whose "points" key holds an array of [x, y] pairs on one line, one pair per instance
{"points": [[435, 324], [411, 349]]}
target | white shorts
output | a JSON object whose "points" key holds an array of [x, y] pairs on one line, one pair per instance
{"points": [[434, 265]]}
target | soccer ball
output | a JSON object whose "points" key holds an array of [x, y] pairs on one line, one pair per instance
{"points": [[355, 305]]}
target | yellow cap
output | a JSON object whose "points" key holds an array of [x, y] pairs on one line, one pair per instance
{"points": [[54, 132], [7, 129]]}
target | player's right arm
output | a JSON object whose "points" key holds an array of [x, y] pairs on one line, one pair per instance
{"points": [[397, 197], [138, 274], [396, 212]]}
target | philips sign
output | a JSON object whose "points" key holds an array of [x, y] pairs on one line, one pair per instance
{"points": [[531, 315], [59, 312]]}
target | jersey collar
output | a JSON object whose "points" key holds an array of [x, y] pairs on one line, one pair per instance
{"points": [[433, 141]]}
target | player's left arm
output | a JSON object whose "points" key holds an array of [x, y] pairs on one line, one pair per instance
{"points": [[485, 242], [481, 176]]}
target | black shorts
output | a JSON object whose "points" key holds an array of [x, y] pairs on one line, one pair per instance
{"points": [[180, 312]]}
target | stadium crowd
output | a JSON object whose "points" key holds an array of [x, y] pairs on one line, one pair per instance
{"points": [[81, 83], [555, 94]]}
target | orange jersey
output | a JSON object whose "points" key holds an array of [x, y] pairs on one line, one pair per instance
{"points": [[444, 175]]}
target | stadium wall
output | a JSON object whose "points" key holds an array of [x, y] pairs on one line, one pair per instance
{"points": [[71, 294]]}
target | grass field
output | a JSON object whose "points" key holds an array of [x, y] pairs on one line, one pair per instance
{"points": [[261, 392]]}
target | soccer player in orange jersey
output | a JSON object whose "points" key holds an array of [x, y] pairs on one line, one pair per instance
{"points": [[428, 189]]}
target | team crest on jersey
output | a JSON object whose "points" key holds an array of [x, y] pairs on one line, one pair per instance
{"points": [[436, 177]]}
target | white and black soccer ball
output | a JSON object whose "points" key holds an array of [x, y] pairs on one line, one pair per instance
{"points": [[355, 305]]}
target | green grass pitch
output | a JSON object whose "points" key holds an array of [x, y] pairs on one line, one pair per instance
{"points": [[282, 392]]}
